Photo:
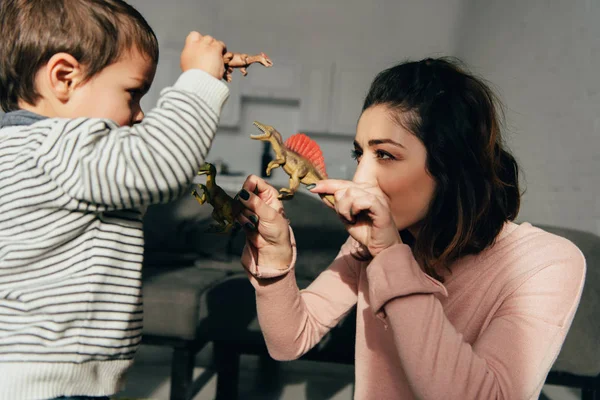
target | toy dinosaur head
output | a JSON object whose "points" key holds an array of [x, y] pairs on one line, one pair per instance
{"points": [[268, 132], [207, 169]]}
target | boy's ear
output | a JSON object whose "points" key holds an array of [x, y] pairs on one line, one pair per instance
{"points": [[64, 74]]}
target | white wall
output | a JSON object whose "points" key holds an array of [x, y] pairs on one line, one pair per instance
{"points": [[355, 32], [544, 58], [541, 56], [325, 54]]}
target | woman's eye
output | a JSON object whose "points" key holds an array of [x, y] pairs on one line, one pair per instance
{"points": [[355, 154], [383, 155]]}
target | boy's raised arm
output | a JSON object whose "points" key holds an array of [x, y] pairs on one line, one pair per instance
{"points": [[98, 162]]}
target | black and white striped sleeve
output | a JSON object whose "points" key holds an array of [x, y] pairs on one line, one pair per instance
{"points": [[95, 161]]}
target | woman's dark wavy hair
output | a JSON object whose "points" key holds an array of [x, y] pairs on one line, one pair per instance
{"points": [[458, 119]]}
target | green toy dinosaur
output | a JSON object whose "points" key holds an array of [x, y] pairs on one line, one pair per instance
{"points": [[300, 157], [225, 208]]}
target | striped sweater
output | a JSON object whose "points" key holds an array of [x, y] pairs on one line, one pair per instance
{"points": [[72, 195]]}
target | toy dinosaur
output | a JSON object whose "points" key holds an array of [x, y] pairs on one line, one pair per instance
{"points": [[243, 61], [225, 208], [299, 156]]}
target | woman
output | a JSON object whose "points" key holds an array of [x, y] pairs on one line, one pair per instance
{"points": [[454, 300]]}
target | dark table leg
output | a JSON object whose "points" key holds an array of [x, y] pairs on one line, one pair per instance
{"points": [[182, 369], [227, 364]]}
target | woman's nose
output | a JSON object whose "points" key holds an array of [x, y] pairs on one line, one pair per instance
{"points": [[365, 173]]}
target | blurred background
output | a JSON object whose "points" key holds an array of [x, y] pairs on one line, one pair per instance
{"points": [[542, 57]]}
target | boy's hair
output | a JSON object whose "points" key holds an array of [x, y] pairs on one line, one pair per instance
{"points": [[457, 117], [95, 32]]}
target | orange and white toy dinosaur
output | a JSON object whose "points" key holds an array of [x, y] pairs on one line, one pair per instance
{"points": [[300, 157]]}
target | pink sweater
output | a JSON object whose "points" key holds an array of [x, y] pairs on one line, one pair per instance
{"points": [[491, 331]]}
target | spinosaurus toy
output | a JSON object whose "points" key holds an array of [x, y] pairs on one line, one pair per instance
{"points": [[225, 208], [299, 156], [243, 61]]}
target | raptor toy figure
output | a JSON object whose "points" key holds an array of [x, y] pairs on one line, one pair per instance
{"points": [[225, 208]]}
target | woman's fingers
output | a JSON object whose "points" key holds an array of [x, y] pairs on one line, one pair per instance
{"points": [[327, 189], [343, 205], [352, 201], [248, 220], [262, 215], [330, 186], [256, 206], [263, 190]]}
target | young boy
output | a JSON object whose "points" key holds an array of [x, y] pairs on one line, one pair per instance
{"points": [[77, 167]]}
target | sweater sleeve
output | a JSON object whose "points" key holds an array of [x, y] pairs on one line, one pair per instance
{"points": [[111, 167], [293, 321], [511, 357]]}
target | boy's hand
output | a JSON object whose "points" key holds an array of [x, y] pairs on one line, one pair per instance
{"points": [[205, 53]]}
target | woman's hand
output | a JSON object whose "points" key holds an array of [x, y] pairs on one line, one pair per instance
{"points": [[365, 212], [263, 219]]}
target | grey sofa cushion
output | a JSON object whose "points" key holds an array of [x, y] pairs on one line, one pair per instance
{"points": [[580, 353], [172, 299]]}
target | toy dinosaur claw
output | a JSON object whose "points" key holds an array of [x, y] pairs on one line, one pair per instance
{"points": [[199, 198], [285, 194]]}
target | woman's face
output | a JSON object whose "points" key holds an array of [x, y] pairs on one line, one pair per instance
{"points": [[394, 159]]}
